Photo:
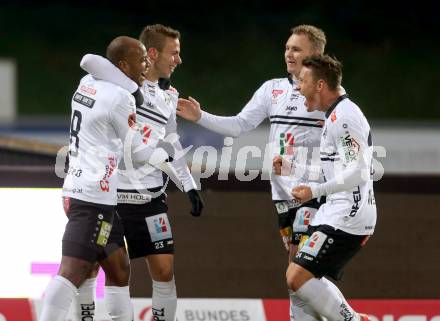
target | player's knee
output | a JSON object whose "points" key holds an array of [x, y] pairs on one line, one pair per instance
{"points": [[292, 279], [76, 273], [118, 275], [164, 275], [119, 278]]}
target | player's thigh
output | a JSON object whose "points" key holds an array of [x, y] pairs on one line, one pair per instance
{"points": [[327, 251], [88, 230]]}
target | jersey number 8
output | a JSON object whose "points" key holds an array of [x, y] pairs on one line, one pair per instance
{"points": [[75, 127]]}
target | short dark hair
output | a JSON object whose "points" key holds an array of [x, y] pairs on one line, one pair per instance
{"points": [[153, 36], [120, 48], [326, 68]]}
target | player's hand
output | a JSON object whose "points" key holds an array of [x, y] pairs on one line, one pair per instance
{"points": [[302, 193], [196, 202], [281, 166], [189, 109]]}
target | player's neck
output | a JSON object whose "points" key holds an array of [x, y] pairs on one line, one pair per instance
{"points": [[329, 99], [152, 75]]}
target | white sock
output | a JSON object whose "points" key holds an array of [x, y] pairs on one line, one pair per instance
{"points": [[301, 311], [334, 289], [164, 300], [57, 299], [84, 302], [118, 303], [325, 301]]}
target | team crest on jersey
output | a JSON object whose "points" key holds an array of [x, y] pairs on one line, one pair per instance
{"points": [[167, 98], [287, 141], [159, 227]]}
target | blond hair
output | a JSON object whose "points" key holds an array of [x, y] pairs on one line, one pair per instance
{"points": [[315, 35]]}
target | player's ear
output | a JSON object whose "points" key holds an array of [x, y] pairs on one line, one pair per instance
{"points": [[123, 65], [319, 85], [152, 53]]}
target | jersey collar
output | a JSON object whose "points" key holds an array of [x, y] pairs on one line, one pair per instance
{"points": [[291, 79], [333, 106], [150, 83]]}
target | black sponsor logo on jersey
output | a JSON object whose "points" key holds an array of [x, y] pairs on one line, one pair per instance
{"points": [[294, 96], [149, 104], [83, 100], [356, 200], [350, 146], [291, 108]]}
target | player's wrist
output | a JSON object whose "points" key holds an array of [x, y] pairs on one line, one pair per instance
{"points": [[317, 190], [199, 116]]}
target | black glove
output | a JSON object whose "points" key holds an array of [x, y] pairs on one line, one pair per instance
{"points": [[196, 202], [138, 97]]}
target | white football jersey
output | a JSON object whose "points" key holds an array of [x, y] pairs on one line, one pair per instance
{"points": [[99, 124], [346, 160], [294, 132], [156, 121]]}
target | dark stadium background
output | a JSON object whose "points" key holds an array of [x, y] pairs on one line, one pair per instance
{"points": [[390, 54]]}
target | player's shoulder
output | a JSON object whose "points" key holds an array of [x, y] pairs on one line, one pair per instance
{"points": [[345, 113], [105, 88], [275, 86], [277, 82], [349, 109]]}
